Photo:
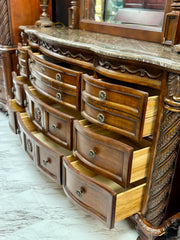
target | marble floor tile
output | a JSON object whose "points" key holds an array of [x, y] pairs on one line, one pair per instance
{"points": [[32, 207]]}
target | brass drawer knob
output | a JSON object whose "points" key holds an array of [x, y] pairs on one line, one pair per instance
{"points": [[102, 95], [91, 154], [58, 96], [30, 61], [13, 89], [45, 162], [25, 103], [100, 118], [79, 193], [54, 127], [58, 77], [42, 69]]}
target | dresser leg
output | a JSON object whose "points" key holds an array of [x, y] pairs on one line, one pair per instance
{"points": [[170, 229]]}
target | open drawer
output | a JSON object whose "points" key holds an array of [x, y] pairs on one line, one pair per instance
{"points": [[53, 119], [98, 195], [13, 109], [46, 154], [22, 53], [111, 154], [18, 88], [125, 110], [55, 80]]}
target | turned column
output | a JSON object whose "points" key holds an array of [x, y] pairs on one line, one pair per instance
{"points": [[151, 221]]}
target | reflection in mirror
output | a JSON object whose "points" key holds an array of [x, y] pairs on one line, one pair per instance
{"points": [[136, 12]]}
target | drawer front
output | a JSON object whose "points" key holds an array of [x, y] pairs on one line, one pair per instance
{"points": [[18, 88], [125, 99], [49, 162], [50, 89], [59, 128], [64, 75], [22, 53], [102, 154], [3, 94], [115, 122], [54, 123], [92, 197], [117, 107]]}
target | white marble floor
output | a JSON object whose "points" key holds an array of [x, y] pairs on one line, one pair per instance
{"points": [[32, 207]]}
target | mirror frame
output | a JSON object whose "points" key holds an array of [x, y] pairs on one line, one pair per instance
{"points": [[134, 32]]}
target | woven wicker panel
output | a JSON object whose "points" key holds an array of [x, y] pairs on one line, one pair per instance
{"points": [[5, 38]]}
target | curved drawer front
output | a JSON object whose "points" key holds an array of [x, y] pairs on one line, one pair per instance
{"points": [[99, 196], [48, 161], [18, 88], [23, 59], [119, 108], [111, 155], [26, 128], [13, 109], [47, 155], [45, 68], [54, 123], [53, 91]]}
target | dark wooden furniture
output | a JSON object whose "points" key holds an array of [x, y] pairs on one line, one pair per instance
{"points": [[113, 142]]}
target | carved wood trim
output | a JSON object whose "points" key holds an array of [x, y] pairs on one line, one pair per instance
{"points": [[164, 162], [5, 37], [124, 68]]}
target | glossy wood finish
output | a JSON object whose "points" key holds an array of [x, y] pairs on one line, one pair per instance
{"points": [[99, 196], [118, 108], [54, 120], [56, 82], [129, 161]]}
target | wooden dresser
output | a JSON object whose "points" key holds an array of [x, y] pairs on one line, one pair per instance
{"points": [[101, 116]]}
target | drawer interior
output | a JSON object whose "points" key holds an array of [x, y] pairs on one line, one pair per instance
{"points": [[14, 106], [21, 79], [141, 150], [64, 64], [133, 195]]}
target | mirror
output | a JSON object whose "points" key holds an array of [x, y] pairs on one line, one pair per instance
{"points": [[139, 15], [134, 12]]}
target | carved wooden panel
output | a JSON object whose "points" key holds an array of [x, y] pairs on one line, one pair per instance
{"points": [[166, 154], [5, 38]]}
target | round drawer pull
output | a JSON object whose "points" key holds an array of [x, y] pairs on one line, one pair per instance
{"points": [[18, 131], [58, 77], [18, 66], [30, 61], [100, 118], [91, 154], [42, 69], [102, 95], [25, 103], [79, 193], [59, 96], [13, 89], [54, 127], [45, 162]]}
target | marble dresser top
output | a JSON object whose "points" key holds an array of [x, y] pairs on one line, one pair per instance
{"points": [[112, 46]]}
